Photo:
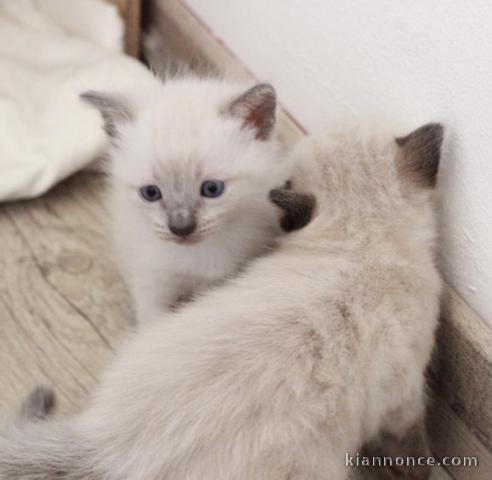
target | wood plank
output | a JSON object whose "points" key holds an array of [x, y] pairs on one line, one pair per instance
{"points": [[63, 307], [464, 366], [452, 438]]}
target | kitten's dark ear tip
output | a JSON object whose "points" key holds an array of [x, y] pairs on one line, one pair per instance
{"points": [[256, 109], [298, 207], [113, 108], [432, 133], [90, 96], [275, 195], [266, 89], [421, 151]]}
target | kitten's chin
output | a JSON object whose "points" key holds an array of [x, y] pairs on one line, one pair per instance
{"points": [[188, 241]]}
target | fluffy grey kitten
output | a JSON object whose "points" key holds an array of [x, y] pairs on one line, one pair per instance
{"points": [[192, 162], [312, 351]]}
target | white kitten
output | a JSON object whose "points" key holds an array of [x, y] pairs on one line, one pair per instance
{"points": [[309, 353], [192, 162]]}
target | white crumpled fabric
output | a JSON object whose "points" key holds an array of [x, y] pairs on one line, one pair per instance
{"points": [[50, 52]]}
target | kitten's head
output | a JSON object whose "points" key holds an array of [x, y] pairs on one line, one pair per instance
{"points": [[195, 156], [366, 180]]}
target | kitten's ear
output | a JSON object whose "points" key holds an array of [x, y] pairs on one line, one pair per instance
{"points": [[114, 110], [256, 109], [420, 154], [298, 207]]}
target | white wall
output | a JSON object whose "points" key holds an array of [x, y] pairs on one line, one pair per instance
{"points": [[425, 59]]}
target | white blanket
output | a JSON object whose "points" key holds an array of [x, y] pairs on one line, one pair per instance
{"points": [[50, 52]]}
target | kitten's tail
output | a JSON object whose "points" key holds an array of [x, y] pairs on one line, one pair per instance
{"points": [[34, 447], [38, 405]]}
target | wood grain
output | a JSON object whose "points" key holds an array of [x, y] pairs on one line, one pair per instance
{"points": [[464, 367], [452, 438], [63, 307]]}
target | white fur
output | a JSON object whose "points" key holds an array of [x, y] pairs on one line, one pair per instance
{"points": [[310, 352], [50, 52], [180, 137]]}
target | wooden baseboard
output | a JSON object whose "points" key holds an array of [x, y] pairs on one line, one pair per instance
{"points": [[130, 11], [462, 381], [461, 422], [451, 437]]}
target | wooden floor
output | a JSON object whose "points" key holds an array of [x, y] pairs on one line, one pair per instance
{"points": [[63, 306]]}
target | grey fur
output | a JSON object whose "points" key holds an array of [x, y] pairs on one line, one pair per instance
{"points": [[43, 450], [38, 405], [256, 109], [54, 450], [113, 109], [298, 208], [421, 153], [411, 443]]}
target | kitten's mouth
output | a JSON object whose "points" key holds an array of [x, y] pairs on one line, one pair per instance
{"points": [[185, 241], [191, 240]]}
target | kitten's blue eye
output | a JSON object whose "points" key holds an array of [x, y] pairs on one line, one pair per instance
{"points": [[151, 193], [212, 188]]}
